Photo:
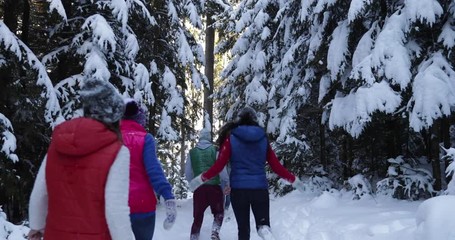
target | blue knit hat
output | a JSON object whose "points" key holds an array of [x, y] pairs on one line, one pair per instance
{"points": [[134, 112]]}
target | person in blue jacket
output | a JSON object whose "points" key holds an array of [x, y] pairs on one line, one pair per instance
{"points": [[247, 150]]}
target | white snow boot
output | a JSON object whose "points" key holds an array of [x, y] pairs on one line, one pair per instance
{"points": [[265, 233]]}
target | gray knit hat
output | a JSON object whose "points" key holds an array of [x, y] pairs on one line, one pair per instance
{"points": [[101, 101], [205, 134]]}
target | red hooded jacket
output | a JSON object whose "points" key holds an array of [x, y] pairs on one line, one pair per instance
{"points": [[79, 158]]}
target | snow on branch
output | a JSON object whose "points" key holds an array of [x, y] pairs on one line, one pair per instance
{"points": [[185, 54], [434, 92], [13, 44], [361, 59], [96, 66], [132, 46], [304, 12], [174, 101], [389, 52], [120, 10], [145, 12], [165, 130], [447, 36], [8, 139], [423, 10], [57, 6], [143, 85], [193, 15], [353, 112], [255, 92], [173, 15], [356, 7], [338, 50], [102, 33]]}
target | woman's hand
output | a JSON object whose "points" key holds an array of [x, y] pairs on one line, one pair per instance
{"points": [[35, 235], [227, 190]]}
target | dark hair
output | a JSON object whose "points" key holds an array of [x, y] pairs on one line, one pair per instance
{"points": [[247, 116], [131, 109], [115, 127], [224, 132]]}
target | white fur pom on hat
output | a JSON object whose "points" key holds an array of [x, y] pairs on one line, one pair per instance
{"points": [[101, 101]]}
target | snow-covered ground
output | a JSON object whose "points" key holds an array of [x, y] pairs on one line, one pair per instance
{"points": [[300, 217], [331, 216]]}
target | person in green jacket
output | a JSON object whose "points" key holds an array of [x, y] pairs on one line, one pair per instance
{"points": [[199, 159]]}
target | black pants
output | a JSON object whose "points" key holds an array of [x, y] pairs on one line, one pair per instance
{"points": [[244, 199]]}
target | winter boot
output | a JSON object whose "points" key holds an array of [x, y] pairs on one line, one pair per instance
{"points": [[215, 236], [265, 233], [216, 227], [194, 236]]}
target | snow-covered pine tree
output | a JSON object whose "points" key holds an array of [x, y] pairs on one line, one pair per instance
{"points": [[268, 44], [143, 47], [27, 95], [398, 70], [368, 64]]}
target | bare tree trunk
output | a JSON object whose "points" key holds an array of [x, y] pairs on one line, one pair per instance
{"points": [[209, 67], [10, 16], [182, 150], [322, 152], [445, 141], [25, 21], [346, 156], [433, 157], [393, 138]]}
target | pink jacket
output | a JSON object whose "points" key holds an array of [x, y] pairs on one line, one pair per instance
{"points": [[142, 197]]}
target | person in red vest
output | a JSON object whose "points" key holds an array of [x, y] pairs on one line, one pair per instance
{"points": [[247, 149], [146, 174], [199, 159], [81, 190]]}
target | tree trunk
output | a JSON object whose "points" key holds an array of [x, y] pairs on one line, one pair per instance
{"points": [[346, 156], [445, 141], [25, 22], [10, 16], [209, 68], [393, 138], [322, 153], [433, 158], [182, 150]]}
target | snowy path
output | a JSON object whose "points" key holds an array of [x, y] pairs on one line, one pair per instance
{"points": [[299, 217]]}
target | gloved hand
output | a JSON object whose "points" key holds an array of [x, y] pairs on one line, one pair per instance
{"points": [[195, 183], [299, 185], [35, 234], [171, 214]]}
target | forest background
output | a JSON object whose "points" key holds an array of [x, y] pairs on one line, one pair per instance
{"points": [[355, 95]]}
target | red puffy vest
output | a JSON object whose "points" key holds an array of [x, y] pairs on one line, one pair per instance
{"points": [[79, 157]]}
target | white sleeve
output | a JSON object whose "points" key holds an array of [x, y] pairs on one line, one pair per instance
{"points": [[224, 177], [116, 196], [37, 211]]}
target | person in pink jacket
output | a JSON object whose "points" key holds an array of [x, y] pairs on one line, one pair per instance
{"points": [[146, 174]]}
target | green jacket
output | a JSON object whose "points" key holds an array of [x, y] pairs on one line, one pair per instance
{"points": [[202, 160]]}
